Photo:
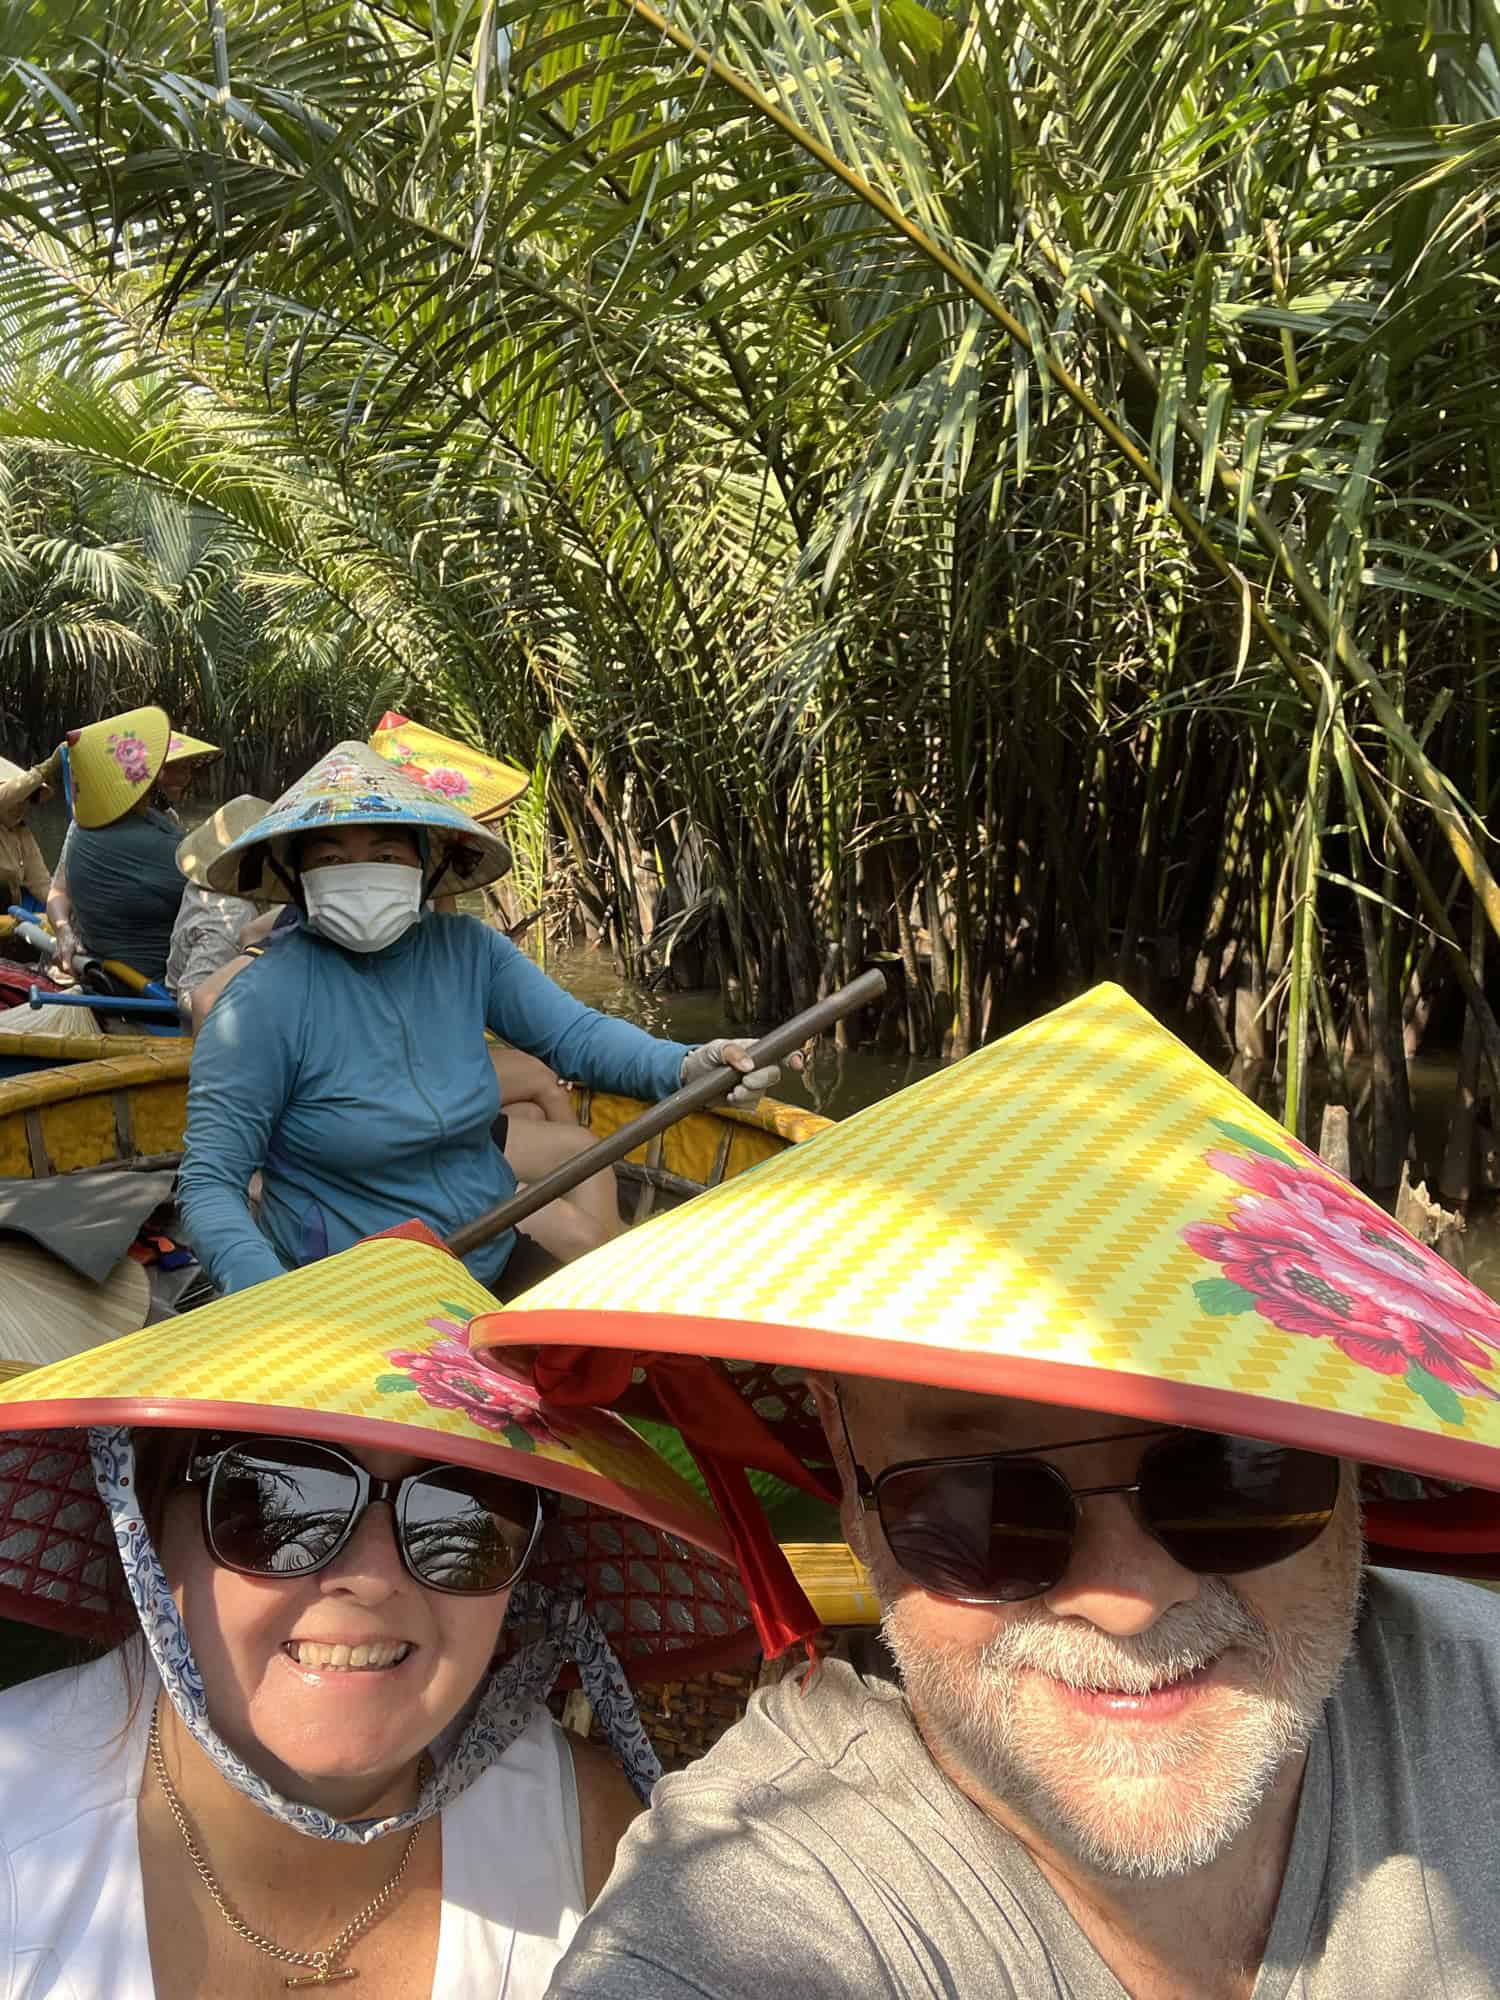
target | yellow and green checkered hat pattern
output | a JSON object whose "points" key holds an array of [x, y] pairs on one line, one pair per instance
{"points": [[367, 1348], [1084, 1214], [113, 764]]}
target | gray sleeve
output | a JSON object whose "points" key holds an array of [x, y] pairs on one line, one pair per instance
{"points": [[715, 1896], [200, 946]]}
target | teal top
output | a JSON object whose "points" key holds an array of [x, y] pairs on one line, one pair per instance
{"points": [[361, 1087], [125, 887]]}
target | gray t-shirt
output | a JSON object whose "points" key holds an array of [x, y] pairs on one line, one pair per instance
{"points": [[205, 937], [818, 1854]]}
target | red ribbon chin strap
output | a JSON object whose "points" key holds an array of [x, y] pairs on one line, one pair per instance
{"points": [[724, 1435]]}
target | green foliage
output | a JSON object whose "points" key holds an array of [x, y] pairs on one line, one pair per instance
{"points": [[1010, 489]]}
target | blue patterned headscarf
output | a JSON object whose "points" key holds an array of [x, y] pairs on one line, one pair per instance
{"points": [[501, 1710]]}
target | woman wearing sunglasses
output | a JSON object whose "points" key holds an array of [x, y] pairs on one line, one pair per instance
{"points": [[343, 1562]]}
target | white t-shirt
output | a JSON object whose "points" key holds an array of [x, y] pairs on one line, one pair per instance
{"points": [[72, 1905]]}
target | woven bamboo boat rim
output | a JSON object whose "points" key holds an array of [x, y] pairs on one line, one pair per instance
{"points": [[90, 1046], [167, 1064]]}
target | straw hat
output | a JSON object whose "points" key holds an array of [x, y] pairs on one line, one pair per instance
{"points": [[1084, 1214], [352, 786], [58, 1020], [20, 786], [368, 1349], [48, 1311], [217, 834], [190, 750], [483, 786], [114, 763]]}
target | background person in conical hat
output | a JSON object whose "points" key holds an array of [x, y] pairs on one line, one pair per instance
{"points": [[21, 865], [1105, 1364], [211, 928], [320, 1515], [349, 1064], [116, 889], [187, 758]]}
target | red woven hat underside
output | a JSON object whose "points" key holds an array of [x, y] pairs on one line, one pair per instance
{"points": [[669, 1609], [59, 1567]]}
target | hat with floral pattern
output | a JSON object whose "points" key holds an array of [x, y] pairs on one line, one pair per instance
{"points": [[113, 764], [366, 1349], [1084, 1214], [482, 785], [353, 786], [190, 750]]}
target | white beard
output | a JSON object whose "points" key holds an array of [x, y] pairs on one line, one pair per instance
{"points": [[1151, 1802]]}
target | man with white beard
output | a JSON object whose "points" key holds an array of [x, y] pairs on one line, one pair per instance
{"points": [[1105, 1404]]}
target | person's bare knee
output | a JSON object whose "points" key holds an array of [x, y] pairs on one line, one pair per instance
{"points": [[580, 1220]]}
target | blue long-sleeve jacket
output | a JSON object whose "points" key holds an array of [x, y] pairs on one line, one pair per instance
{"points": [[361, 1087]]}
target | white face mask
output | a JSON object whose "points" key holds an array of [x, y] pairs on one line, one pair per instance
{"points": [[363, 905]]}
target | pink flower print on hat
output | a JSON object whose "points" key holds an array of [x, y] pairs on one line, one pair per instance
{"points": [[132, 755], [1313, 1257], [448, 1377]]}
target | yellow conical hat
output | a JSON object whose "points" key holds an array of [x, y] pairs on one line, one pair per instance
{"points": [[190, 750], [1084, 1214], [482, 786], [114, 763], [365, 1349]]}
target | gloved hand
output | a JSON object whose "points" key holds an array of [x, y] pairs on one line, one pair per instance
{"points": [[753, 1083], [63, 959]]}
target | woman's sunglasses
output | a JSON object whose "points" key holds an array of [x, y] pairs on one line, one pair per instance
{"points": [[285, 1507], [999, 1527]]}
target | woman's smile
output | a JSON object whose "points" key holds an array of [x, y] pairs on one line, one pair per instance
{"points": [[366, 1656]]}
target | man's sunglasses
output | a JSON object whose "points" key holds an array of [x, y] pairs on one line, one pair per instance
{"points": [[999, 1527], [285, 1507]]}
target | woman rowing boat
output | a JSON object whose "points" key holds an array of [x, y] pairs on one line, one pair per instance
{"points": [[348, 1064]]}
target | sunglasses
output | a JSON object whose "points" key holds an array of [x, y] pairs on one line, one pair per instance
{"points": [[999, 1527], [285, 1507]]}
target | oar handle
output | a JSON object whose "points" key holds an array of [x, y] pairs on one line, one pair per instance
{"points": [[106, 1003], [704, 1090]]}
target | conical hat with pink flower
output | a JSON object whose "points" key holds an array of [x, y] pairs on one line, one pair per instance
{"points": [[1087, 1215], [367, 1349], [182, 749], [483, 786], [113, 764]]}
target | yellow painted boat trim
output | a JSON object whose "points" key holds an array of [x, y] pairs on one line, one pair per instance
{"points": [[837, 1583]]}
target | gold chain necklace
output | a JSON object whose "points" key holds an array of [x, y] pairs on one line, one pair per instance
{"points": [[323, 1966]]}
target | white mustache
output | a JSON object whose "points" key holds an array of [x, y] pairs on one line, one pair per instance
{"points": [[1181, 1642]]}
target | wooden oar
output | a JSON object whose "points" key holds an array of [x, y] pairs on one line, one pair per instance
{"points": [[704, 1090]]}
